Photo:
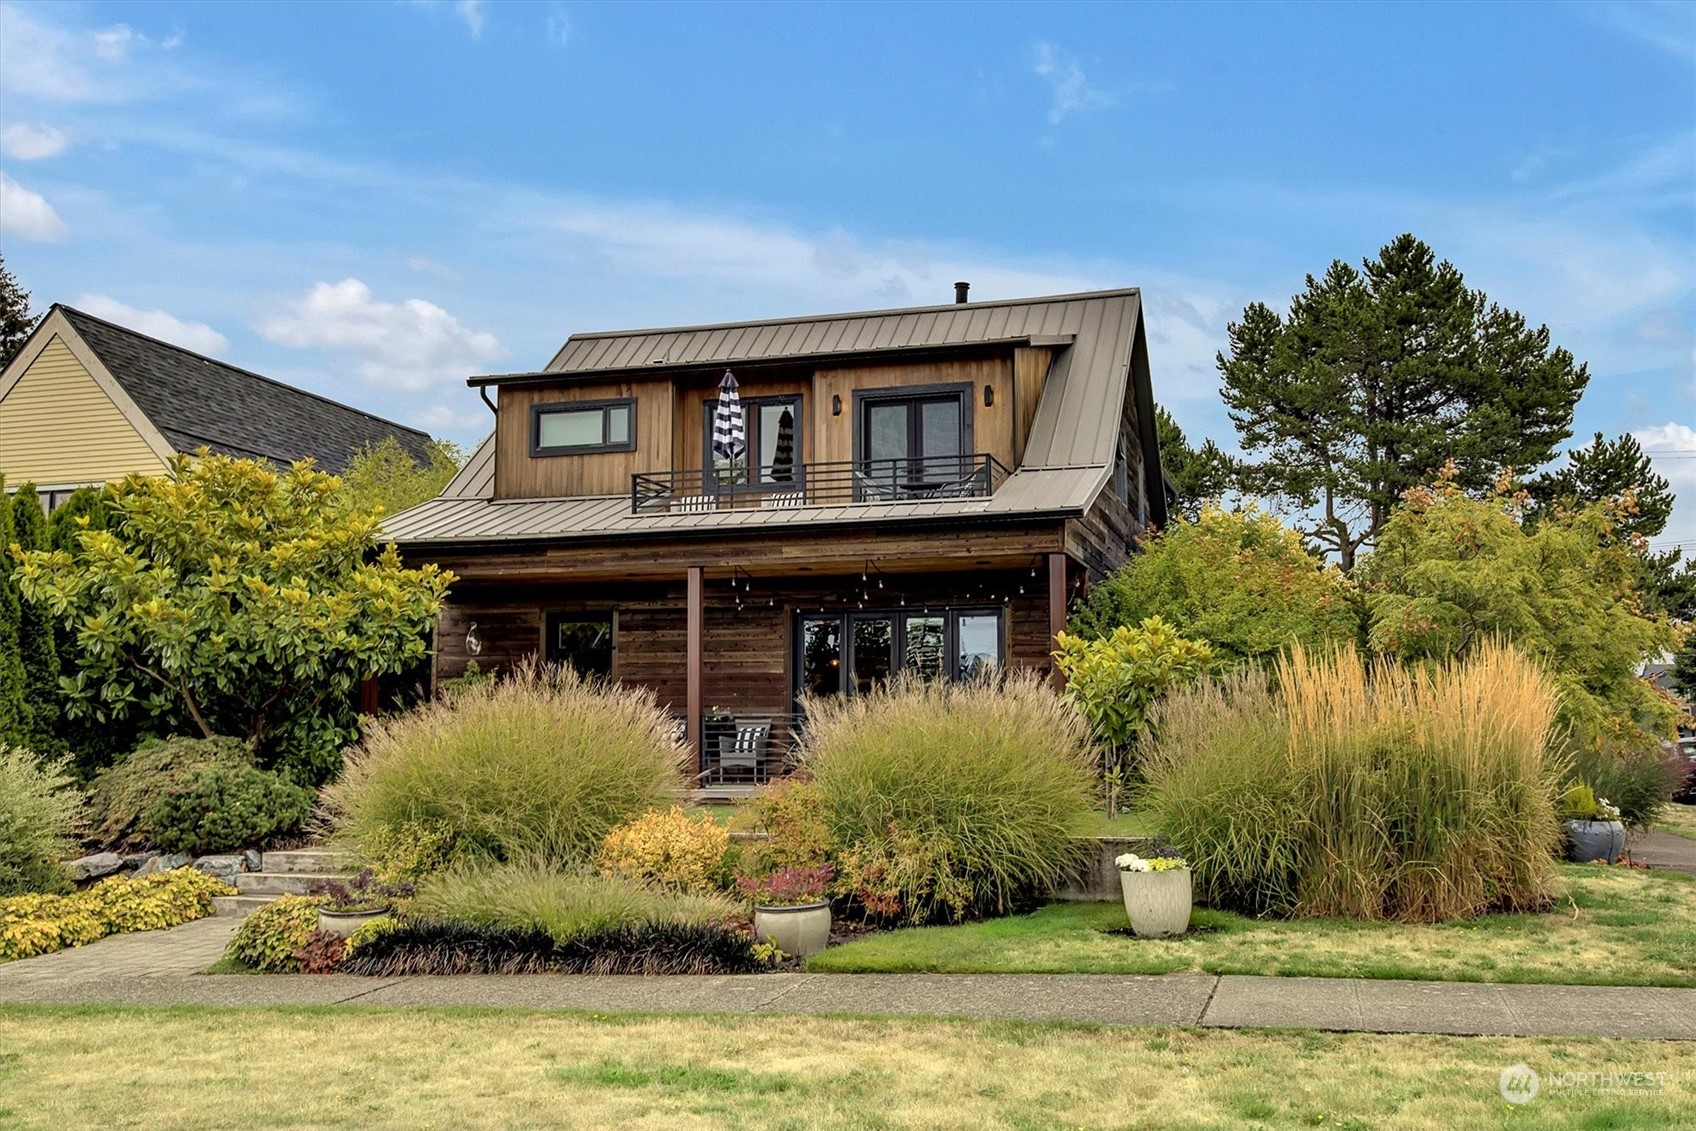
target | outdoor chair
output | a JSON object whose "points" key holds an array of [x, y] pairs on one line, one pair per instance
{"points": [[784, 499], [694, 504], [745, 749]]}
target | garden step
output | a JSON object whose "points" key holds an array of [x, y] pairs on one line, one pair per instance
{"points": [[306, 861], [283, 883], [238, 906]]}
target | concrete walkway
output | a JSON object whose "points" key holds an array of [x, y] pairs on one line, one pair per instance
{"points": [[154, 968], [1663, 851]]}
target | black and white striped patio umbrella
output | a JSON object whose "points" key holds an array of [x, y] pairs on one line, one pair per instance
{"points": [[730, 433]]}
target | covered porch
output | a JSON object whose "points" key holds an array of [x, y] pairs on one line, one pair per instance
{"points": [[732, 644]]}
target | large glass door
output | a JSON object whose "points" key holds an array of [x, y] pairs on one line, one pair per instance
{"points": [[852, 653], [872, 660]]}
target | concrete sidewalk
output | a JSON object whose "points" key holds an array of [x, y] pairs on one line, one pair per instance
{"points": [[119, 971]]}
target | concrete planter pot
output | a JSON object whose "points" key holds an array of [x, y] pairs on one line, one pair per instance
{"points": [[1158, 903], [801, 931], [344, 923], [1595, 840]]}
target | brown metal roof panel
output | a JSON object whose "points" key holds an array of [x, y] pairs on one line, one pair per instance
{"points": [[763, 341]]}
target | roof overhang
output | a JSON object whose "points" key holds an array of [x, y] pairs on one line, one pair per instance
{"points": [[669, 371]]}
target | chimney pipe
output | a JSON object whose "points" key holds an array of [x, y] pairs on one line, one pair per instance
{"points": [[960, 290]]}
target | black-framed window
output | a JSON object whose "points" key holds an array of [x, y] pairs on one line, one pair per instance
{"points": [[579, 427], [773, 460], [852, 652], [583, 640], [913, 440]]}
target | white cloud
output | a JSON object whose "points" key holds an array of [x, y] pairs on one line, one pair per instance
{"points": [[558, 25], [409, 345], [27, 214], [441, 418], [471, 11], [1072, 91], [196, 336], [31, 143], [424, 265], [72, 65], [114, 43]]}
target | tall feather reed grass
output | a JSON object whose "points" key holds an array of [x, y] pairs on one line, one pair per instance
{"points": [[539, 765], [1335, 788], [952, 800]]}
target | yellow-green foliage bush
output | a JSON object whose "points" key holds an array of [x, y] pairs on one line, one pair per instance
{"points": [[267, 940], [37, 805], [540, 764], [38, 924], [788, 817], [1372, 792], [669, 848], [407, 851]]}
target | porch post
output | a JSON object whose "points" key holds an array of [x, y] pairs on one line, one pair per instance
{"points": [[1056, 611], [692, 661]]}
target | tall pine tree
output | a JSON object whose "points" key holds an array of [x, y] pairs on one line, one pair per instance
{"points": [[1380, 376], [1197, 475], [16, 322]]}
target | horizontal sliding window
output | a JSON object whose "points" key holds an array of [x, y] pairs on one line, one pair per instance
{"points": [[577, 427]]}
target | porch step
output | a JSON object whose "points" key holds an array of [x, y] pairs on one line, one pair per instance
{"points": [[238, 906], [305, 861], [274, 884]]}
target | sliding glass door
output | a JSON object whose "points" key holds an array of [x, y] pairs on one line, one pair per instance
{"points": [[852, 653]]}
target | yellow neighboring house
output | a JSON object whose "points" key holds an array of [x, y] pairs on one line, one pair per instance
{"points": [[87, 401]]}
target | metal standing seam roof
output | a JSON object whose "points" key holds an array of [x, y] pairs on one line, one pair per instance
{"points": [[197, 401], [1068, 455]]}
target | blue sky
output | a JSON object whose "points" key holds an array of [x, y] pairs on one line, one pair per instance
{"points": [[376, 200]]}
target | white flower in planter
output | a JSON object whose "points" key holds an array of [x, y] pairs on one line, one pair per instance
{"points": [[1131, 862]]}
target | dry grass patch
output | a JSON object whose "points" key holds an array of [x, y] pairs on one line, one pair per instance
{"points": [[1679, 820], [1621, 926], [179, 1068]]}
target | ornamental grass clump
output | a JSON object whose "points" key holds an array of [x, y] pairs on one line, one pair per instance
{"points": [[37, 804], [541, 764], [951, 801], [1383, 792]]}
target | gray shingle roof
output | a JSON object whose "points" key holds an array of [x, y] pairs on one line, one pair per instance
{"points": [[196, 402], [1068, 455]]}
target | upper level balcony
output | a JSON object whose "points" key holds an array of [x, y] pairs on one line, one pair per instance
{"points": [[738, 487]]}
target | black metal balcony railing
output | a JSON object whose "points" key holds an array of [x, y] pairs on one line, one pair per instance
{"points": [[912, 479], [743, 748]]}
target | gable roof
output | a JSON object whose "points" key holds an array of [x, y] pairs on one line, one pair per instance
{"points": [[1069, 454], [196, 401]]}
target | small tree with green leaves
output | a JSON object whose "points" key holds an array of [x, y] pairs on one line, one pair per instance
{"points": [[1115, 681], [230, 598], [1240, 580], [385, 478], [1452, 571], [1198, 476]]}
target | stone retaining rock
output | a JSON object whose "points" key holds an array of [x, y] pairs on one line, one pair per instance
{"points": [[93, 867], [223, 867], [164, 863]]}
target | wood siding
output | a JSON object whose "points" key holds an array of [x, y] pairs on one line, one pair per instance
{"points": [[58, 426], [1030, 374], [747, 650], [519, 476], [992, 427]]}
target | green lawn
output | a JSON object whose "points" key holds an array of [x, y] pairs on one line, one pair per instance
{"points": [[195, 1068], [1619, 926], [1125, 824]]}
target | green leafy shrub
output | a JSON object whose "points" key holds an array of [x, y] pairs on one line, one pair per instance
{"points": [[38, 924], [1637, 777], [407, 851], [37, 805], [1114, 681], [270, 939], [670, 849], [222, 808], [789, 825], [532, 896], [1240, 580], [1418, 794], [542, 764], [121, 796], [967, 793]]}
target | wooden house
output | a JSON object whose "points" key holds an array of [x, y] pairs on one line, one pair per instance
{"points": [[923, 490], [87, 401]]}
